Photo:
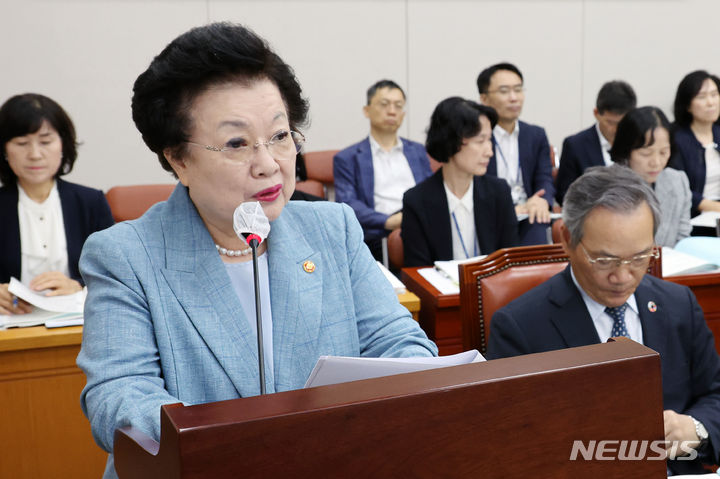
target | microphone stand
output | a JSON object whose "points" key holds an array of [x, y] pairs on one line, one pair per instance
{"points": [[254, 241]]}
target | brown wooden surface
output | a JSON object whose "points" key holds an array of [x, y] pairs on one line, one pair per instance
{"points": [[508, 418], [440, 313], [43, 432], [411, 302]]}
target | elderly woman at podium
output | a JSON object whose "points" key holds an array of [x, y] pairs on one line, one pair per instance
{"points": [[170, 312]]}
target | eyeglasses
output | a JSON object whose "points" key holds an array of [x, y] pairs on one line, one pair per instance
{"points": [[505, 90], [386, 105], [640, 261], [283, 145]]}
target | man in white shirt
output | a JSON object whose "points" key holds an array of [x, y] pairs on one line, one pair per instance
{"points": [[371, 176], [521, 151], [591, 147]]}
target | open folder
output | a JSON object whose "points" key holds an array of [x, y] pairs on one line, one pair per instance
{"points": [[51, 311]]}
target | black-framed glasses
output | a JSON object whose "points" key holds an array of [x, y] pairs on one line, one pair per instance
{"points": [[283, 145], [640, 261]]}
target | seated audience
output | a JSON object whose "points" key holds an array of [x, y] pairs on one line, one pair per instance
{"points": [[643, 142], [170, 311], [459, 212], [521, 151], [610, 219], [591, 147], [45, 220], [371, 176], [697, 138]]}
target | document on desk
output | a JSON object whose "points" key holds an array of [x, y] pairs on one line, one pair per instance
{"points": [[68, 303], [707, 219], [340, 369], [677, 262], [52, 311], [396, 283]]}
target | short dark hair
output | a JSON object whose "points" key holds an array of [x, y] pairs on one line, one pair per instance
{"points": [[616, 96], [24, 114], [199, 58], [453, 120], [632, 129], [688, 89], [483, 79], [615, 187], [382, 84]]}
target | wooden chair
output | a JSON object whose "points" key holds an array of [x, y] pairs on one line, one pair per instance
{"points": [[319, 167], [491, 283], [395, 249], [557, 230], [130, 202], [312, 187]]}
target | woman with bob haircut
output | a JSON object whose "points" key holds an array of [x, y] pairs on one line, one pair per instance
{"points": [[643, 142], [697, 138], [170, 311], [459, 212], [45, 220]]}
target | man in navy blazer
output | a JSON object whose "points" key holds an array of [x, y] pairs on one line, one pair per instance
{"points": [[371, 176], [521, 152], [591, 147], [610, 218]]}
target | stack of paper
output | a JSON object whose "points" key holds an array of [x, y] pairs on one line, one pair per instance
{"points": [[676, 262], [340, 369], [396, 283], [52, 311]]}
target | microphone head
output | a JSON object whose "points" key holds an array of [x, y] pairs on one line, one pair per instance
{"points": [[249, 218]]}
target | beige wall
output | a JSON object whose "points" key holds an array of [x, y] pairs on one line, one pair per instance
{"points": [[86, 54]]}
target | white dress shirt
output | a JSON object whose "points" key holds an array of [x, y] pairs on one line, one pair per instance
{"points": [[462, 224], [507, 156], [604, 323], [712, 173], [604, 146], [392, 177], [43, 246]]}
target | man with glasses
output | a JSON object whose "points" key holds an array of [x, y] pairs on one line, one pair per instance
{"points": [[371, 176], [521, 151], [610, 218]]}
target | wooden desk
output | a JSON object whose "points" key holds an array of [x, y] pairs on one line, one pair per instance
{"points": [[411, 302], [440, 313], [43, 432]]}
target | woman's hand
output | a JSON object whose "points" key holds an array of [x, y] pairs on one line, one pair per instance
{"points": [[9, 304], [56, 282]]}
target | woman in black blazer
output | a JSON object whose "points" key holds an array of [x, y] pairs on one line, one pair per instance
{"points": [[697, 138], [459, 212], [37, 146]]}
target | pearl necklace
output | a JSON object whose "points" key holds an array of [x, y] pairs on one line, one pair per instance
{"points": [[232, 252]]}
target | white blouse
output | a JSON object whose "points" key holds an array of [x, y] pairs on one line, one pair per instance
{"points": [[43, 246], [462, 224], [712, 173]]}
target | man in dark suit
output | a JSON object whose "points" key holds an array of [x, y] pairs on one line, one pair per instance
{"points": [[521, 151], [591, 147], [610, 218], [371, 176]]}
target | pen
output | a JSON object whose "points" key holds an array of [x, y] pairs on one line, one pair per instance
{"points": [[15, 302]]}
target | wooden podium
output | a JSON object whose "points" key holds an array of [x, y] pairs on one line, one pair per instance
{"points": [[506, 418]]}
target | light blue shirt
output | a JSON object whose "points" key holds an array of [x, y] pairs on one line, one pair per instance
{"points": [[604, 323], [242, 279]]}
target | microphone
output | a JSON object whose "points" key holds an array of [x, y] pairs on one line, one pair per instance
{"points": [[251, 224]]}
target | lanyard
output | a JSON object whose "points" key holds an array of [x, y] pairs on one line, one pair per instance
{"points": [[518, 176], [462, 242]]}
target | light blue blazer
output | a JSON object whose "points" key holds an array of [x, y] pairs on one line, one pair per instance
{"points": [[163, 323]]}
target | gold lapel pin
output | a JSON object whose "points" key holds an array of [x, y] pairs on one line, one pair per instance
{"points": [[309, 266], [652, 307]]}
